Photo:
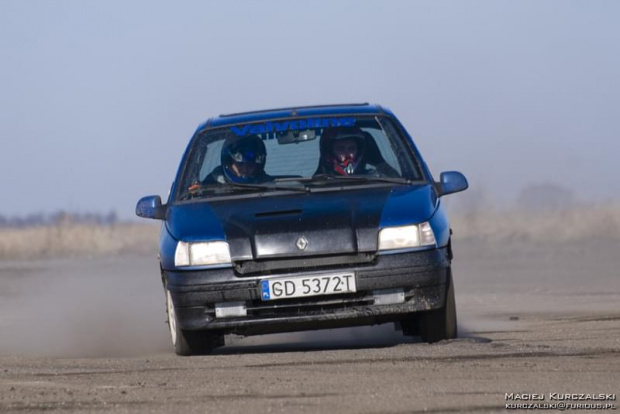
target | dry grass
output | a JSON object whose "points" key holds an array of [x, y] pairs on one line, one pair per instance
{"points": [[78, 240], [72, 240], [570, 225]]}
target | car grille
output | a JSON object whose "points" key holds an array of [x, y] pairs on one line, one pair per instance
{"points": [[275, 266], [307, 306]]}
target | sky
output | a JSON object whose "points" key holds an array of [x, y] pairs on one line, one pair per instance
{"points": [[99, 99]]}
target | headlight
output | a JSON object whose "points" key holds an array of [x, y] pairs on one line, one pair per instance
{"points": [[415, 235], [200, 254]]}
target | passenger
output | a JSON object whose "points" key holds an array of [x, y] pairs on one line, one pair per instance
{"points": [[342, 151], [348, 151], [243, 162]]}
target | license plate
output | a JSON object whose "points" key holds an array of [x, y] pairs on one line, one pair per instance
{"points": [[296, 287]]}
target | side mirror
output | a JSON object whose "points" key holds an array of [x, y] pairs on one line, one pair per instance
{"points": [[151, 207], [451, 182]]}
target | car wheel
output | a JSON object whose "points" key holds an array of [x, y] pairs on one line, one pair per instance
{"points": [[188, 343], [440, 324]]}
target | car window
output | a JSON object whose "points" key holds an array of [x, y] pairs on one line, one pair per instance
{"points": [[388, 153], [212, 157], [280, 150], [292, 159]]}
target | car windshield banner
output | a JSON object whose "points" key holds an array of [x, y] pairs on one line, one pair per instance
{"points": [[286, 125]]}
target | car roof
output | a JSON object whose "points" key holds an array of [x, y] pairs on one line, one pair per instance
{"points": [[279, 113]]}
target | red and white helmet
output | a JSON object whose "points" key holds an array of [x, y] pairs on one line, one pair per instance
{"points": [[342, 150]]}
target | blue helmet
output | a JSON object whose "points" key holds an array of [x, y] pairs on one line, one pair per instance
{"points": [[243, 159]]}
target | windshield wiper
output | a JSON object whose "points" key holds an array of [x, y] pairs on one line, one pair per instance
{"points": [[265, 186], [354, 178], [202, 190]]}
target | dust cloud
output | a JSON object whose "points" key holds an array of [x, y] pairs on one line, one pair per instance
{"points": [[95, 307]]}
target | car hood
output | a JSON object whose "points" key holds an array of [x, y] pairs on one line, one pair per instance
{"points": [[329, 222]]}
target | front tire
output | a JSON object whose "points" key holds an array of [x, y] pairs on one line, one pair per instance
{"points": [[188, 343], [440, 324]]}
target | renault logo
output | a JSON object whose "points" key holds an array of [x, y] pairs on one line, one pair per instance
{"points": [[301, 243]]}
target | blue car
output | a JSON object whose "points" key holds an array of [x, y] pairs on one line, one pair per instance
{"points": [[300, 219]]}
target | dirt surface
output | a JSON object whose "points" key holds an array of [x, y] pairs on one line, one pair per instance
{"points": [[89, 336]]}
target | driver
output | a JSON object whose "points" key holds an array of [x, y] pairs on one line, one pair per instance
{"points": [[243, 162]]}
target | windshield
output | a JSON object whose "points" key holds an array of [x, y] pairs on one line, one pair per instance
{"points": [[303, 154]]}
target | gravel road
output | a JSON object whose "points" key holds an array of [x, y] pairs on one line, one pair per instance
{"points": [[89, 336]]}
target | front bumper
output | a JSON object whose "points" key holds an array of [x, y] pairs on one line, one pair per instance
{"points": [[422, 275]]}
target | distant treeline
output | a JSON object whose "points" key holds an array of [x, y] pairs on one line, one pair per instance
{"points": [[58, 218]]}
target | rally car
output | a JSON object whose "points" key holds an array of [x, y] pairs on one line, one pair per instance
{"points": [[304, 218]]}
